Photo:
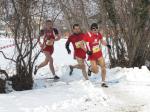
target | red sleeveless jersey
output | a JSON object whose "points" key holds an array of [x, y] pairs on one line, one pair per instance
{"points": [[48, 41]]}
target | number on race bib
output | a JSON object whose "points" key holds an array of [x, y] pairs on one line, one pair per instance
{"points": [[96, 49], [49, 43], [78, 44]]}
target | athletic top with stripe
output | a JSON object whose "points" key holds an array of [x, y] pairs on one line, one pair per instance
{"points": [[92, 43]]}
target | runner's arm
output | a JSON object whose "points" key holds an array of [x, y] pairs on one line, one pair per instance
{"points": [[86, 46], [57, 35], [67, 46], [86, 49], [82, 45], [105, 43]]}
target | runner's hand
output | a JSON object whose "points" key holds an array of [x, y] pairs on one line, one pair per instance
{"points": [[108, 46], [89, 52], [69, 51]]}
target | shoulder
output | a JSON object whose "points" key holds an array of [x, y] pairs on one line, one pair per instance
{"points": [[71, 37], [100, 35], [82, 34], [87, 35]]}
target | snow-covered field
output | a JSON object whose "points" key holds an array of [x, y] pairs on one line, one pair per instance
{"points": [[128, 90]]}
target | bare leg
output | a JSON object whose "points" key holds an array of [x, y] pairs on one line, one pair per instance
{"points": [[45, 62], [76, 66], [94, 67], [101, 62], [81, 66], [51, 65]]}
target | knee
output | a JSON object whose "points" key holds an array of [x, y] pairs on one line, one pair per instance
{"points": [[51, 61], [95, 70], [103, 67], [82, 66], [46, 61]]}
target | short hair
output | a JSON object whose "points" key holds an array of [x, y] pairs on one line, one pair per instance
{"points": [[75, 25], [48, 21], [94, 25]]}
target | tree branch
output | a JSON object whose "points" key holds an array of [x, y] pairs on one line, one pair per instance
{"points": [[7, 57]]}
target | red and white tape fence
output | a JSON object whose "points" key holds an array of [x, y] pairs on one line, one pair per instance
{"points": [[11, 45], [7, 46]]}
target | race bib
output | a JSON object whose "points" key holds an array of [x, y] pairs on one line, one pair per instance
{"points": [[49, 43], [96, 48], [78, 44]]}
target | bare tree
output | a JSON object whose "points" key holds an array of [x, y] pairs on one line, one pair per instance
{"points": [[74, 12], [130, 21], [25, 19]]}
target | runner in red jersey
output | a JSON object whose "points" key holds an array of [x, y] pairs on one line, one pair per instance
{"points": [[93, 40], [50, 36], [79, 50]]}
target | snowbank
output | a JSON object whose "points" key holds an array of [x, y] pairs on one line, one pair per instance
{"points": [[128, 90]]}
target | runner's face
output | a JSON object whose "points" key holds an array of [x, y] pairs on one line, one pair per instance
{"points": [[76, 30], [49, 25], [95, 30]]}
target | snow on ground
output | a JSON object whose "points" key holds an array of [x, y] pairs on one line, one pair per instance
{"points": [[128, 92]]}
